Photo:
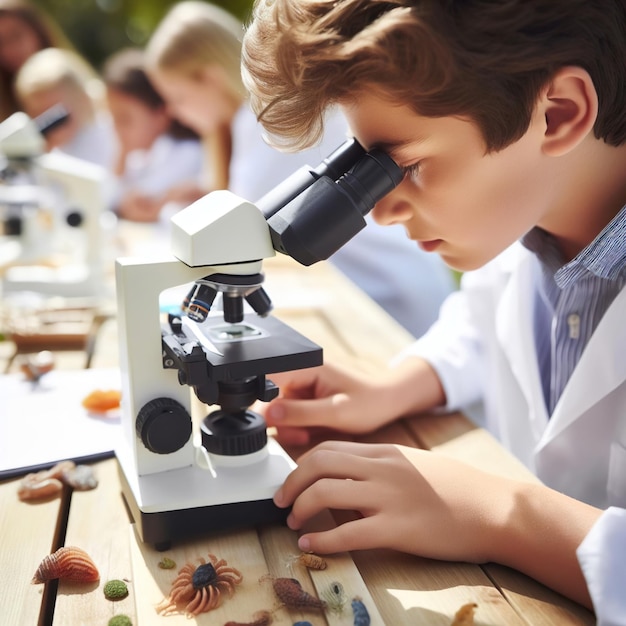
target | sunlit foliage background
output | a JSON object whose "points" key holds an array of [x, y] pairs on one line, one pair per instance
{"points": [[99, 27]]}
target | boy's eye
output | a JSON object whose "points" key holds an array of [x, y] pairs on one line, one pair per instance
{"points": [[411, 171]]}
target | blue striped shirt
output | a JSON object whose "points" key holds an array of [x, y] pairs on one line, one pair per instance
{"points": [[572, 298]]}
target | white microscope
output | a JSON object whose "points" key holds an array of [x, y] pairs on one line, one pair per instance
{"points": [[177, 484], [51, 206]]}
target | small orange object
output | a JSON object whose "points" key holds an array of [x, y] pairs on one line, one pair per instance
{"points": [[465, 615], [101, 400], [310, 560]]}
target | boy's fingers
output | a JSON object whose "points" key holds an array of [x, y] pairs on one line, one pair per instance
{"points": [[295, 379], [331, 493], [361, 534], [288, 436], [309, 481], [284, 412]]}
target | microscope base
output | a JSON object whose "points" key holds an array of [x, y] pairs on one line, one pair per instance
{"points": [[194, 501]]}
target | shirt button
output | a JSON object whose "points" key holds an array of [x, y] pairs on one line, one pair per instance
{"points": [[573, 321]]}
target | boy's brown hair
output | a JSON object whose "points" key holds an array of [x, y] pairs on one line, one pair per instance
{"points": [[485, 60]]}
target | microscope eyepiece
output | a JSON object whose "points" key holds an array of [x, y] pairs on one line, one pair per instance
{"points": [[317, 214]]}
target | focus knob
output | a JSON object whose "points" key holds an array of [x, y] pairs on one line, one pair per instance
{"points": [[233, 435], [163, 425]]}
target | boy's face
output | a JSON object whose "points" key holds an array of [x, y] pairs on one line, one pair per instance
{"points": [[458, 201]]}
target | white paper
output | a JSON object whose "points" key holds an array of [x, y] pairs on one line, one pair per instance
{"points": [[45, 423]]}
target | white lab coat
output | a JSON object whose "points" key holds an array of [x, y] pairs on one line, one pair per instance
{"points": [[407, 282], [601, 558], [483, 346]]}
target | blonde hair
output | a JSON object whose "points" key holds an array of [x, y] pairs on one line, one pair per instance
{"points": [[56, 68], [193, 35]]}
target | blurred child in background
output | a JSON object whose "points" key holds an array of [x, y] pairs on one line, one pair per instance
{"points": [[24, 30], [193, 59], [157, 158], [57, 76]]}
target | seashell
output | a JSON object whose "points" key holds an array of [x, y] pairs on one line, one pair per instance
{"points": [[30, 490], [310, 560], [57, 471], [80, 477], [291, 593], [68, 563]]}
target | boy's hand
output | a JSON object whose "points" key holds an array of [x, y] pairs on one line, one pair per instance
{"points": [[410, 500], [427, 504], [332, 397], [326, 397]]}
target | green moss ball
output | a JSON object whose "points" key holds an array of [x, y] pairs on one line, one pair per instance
{"points": [[120, 620], [115, 590]]}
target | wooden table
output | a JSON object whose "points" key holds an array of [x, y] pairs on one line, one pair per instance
{"points": [[397, 588]]}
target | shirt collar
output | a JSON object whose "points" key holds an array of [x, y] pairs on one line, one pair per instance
{"points": [[604, 257]]}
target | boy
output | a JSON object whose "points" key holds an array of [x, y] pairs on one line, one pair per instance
{"points": [[509, 119]]}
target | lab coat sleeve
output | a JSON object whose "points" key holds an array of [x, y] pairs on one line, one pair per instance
{"points": [[460, 344], [453, 347], [602, 558]]}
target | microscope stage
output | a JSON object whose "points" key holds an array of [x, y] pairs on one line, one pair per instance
{"points": [[265, 346]]}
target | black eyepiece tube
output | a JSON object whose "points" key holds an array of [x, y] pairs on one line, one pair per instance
{"points": [[338, 162], [328, 213], [333, 166]]}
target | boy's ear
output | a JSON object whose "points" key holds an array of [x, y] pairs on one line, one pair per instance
{"points": [[570, 105]]}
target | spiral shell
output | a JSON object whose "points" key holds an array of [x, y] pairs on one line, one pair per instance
{"points": [[291, 593], [310, 560], [69, 563]]}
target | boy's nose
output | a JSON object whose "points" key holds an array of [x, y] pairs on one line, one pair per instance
{"points": [[394, 208]]}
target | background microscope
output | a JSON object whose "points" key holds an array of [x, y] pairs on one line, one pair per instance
{"points": [[177, 482], [51, 211]]}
